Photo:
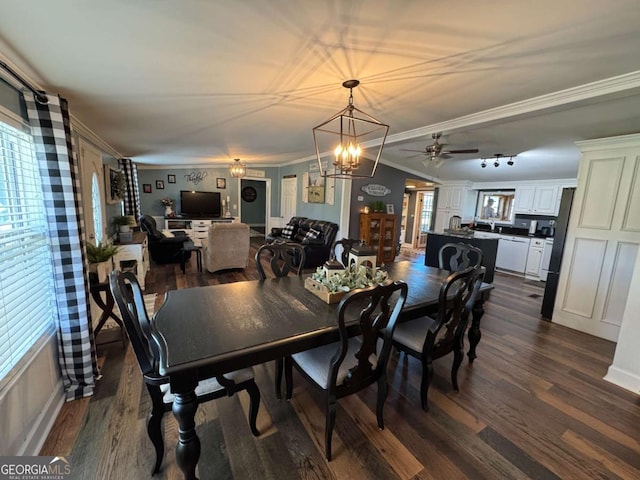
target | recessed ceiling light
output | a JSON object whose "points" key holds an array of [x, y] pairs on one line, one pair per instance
{"points": [[410, 186]]}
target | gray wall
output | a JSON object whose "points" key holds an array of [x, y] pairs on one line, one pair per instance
{"points": [[150, 203], [391, 178]]}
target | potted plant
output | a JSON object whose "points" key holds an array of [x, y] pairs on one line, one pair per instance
{"points": [[378, 206], [122, 223], [99, 257]]}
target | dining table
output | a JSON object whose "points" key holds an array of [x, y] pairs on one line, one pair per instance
{"points": [[208, 331]]}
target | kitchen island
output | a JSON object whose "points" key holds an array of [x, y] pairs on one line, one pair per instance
{"points": [[489, 247]]}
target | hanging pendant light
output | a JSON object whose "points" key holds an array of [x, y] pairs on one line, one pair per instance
{"points": [[237, 168], [351, 135]]}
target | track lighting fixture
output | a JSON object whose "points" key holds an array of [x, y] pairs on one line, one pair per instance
{"points": [[496, 160]]}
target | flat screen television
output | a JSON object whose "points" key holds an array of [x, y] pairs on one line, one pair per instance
{"points": [[199, 204]]}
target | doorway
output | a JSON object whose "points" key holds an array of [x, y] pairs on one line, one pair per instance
{"points": [[422, 218], [255, 198]]}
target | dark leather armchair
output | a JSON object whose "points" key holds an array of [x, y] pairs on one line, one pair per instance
{"points": [[164, 249]]}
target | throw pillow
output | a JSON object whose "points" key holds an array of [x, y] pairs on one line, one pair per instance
{"points": [[312, 236], [287, 232]]}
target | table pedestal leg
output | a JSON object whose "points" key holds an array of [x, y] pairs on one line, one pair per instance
{"points": [[474, 331], [188, 449]]}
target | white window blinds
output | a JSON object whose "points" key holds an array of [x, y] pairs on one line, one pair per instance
{"points": [[26, 277]]}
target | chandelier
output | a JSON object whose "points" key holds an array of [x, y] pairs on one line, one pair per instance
{"points": [[237, 168], [496, 160], [346, 134]]}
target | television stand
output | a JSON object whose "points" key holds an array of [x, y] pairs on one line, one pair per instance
{"points": [[196, 228]]}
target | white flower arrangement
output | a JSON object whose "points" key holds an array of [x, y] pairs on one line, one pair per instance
{"points": [[352, 278]]}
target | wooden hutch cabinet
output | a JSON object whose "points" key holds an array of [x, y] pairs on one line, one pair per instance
{"points": [[380, 231]]}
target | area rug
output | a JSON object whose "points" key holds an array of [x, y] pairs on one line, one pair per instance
{"points": [[150, 303], [408, 250], [255, 233]]}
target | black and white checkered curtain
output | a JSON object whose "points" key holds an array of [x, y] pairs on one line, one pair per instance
{"points": [[132, 195], [51, 129]]}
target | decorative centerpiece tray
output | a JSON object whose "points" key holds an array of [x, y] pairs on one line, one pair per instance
{"points": [[331, 285], [321, 291]]}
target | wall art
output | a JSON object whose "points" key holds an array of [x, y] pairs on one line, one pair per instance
{"points": [[195, 177], [171, 178], [375, 190]]}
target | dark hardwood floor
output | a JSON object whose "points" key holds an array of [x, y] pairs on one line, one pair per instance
{"points": [[533, 405]]}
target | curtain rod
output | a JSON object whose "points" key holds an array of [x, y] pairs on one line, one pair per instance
{"points": [[40, 95]]}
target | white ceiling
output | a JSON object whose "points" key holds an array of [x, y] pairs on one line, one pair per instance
{"points": [[190, 82]]}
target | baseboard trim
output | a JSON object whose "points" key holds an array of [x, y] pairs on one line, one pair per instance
{"points": [[44, 423], [624, 379]]}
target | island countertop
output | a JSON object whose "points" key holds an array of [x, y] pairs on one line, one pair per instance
{"points": [[489, 247]]}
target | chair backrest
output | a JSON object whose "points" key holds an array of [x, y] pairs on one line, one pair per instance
{"points": [[282, 257], [148, 224], [128, 296], [376, 309], [346, 244], [459, 256], [458, 293]]}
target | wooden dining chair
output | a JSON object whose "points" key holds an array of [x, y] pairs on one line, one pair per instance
{"points": [[346, 244], [280, 257], [128, 296], [459, 256], [283, 258], [354, 362], [430, 337]]}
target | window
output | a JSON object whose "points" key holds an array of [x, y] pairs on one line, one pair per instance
{"points": [[96, 207], [27, 306], [426, 211], [496, 206]]}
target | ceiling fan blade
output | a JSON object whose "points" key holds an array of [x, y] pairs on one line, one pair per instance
{"points": [[419, 151], [414, 156], [468, 150], [444, 155]]}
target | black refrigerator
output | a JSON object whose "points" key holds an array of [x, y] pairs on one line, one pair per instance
{"points": [[559, 238]]}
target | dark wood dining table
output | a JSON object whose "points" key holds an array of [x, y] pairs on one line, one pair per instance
{"points": [[207, 331]]}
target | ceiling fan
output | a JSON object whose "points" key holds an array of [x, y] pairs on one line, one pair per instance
{"points": [[436, 154]]}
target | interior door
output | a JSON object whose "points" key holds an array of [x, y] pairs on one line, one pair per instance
{"points": [[92, 179], [288, 198]]}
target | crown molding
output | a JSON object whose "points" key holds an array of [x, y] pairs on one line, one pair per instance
{"points": [[89, 135], [621, 141], [610, 86]]}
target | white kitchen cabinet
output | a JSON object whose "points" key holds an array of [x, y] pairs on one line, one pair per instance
{"points": [[537, 200], [534, 259], [451, 197], [512, 253], [453, 200]]}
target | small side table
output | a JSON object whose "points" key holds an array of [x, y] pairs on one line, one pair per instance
{"points": [[190, 247], [106, 306]]}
